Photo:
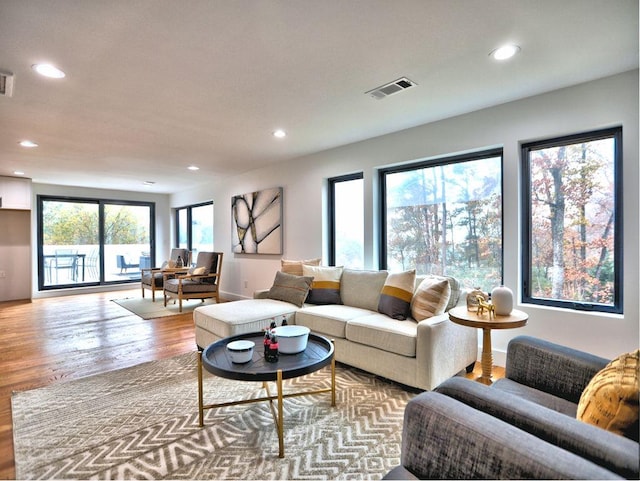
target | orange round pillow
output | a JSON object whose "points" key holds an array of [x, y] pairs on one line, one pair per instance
{"points": [[610, 400]]}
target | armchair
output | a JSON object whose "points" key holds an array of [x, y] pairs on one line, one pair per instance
{"points": [[153, 278], [523, 426], [201, 282]]}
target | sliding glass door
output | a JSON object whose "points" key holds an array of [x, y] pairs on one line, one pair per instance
{"points": [[69, 243], [127, 241], [92, 241]]}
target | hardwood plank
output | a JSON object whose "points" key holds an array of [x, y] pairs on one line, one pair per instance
{"points": [[62, 338]]}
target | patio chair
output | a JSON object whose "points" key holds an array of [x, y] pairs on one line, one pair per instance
{"points": [[65, 259], [124, 265], [153, 278], [201, 282], [93, 267]]}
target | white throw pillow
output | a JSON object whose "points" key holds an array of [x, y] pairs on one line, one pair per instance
{"points": [[170, 264]]}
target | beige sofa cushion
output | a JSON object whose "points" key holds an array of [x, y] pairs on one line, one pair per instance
{"points": [[362, 288], [382, 332], [329, 320], [239, 317]]}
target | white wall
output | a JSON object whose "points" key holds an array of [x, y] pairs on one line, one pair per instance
{"points": [[608, 102], [163, 228]]}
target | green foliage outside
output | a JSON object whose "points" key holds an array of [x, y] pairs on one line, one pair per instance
{"points": [[572, 203], [447, 220], [70, 223]]}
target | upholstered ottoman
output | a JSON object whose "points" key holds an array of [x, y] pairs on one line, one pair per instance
{"points": [[238, 317]]}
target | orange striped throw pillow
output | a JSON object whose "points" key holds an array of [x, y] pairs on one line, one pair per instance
{"points": [[395, 298], [325, 288], [431, 298]]}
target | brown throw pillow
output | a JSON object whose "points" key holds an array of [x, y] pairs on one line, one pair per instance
{"points": [[610, 400], [290, 288], [295, 267]]}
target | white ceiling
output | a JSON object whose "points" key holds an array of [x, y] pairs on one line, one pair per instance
{"points": [[154, 86]]}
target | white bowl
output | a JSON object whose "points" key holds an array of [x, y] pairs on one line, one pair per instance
{"points": [[292, 339], [241, 351]]}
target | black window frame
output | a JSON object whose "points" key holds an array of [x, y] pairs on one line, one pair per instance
{"points": [[527, 228], [188, 209], [332, 210], [435, 162]]}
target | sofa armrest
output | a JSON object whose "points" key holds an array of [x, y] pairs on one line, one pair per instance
{"points": [[261, 294], [552, 368], [443, 438], [611, 451], [443, 349]]}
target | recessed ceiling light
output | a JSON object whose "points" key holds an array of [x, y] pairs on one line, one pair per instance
{"points": [[193, 167], [18, 172], [280, 134], [148, 183], [28, 143], [48, 70], [505, 52]]}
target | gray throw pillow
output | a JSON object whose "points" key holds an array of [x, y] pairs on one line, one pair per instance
{"points": [[290, 288]]}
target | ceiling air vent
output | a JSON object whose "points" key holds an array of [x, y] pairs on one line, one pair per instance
{"points": [[6, 84], [391, 88]]}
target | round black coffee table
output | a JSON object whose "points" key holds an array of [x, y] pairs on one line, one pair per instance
{"points": [[216, 359]]}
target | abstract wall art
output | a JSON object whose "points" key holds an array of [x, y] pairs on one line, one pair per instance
{"points": [[257, 222]]}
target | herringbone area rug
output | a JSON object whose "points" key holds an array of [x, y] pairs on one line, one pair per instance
{"points": [[142, 423]]}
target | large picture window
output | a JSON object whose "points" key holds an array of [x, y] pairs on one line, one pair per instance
{"points": [[92, 241], [572, 221], [195, 228], [346, 219], [444, 217]]}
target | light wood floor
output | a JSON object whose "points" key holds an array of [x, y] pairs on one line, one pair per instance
{"points": [[57, 339]]}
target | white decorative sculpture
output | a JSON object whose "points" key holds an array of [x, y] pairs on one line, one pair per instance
{"points": [[502, 299]]}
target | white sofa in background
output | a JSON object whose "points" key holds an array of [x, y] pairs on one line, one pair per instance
{"points": [[417, 354]]}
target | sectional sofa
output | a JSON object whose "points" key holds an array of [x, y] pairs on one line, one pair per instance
{"points": [[418, 354]]}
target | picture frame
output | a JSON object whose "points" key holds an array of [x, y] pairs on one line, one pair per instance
{"points": [[257, 222]]}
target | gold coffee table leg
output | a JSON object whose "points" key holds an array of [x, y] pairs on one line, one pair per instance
{"points": [[277, 413], [200, 402], [487, 357], [333, 381], [280, 417]]}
